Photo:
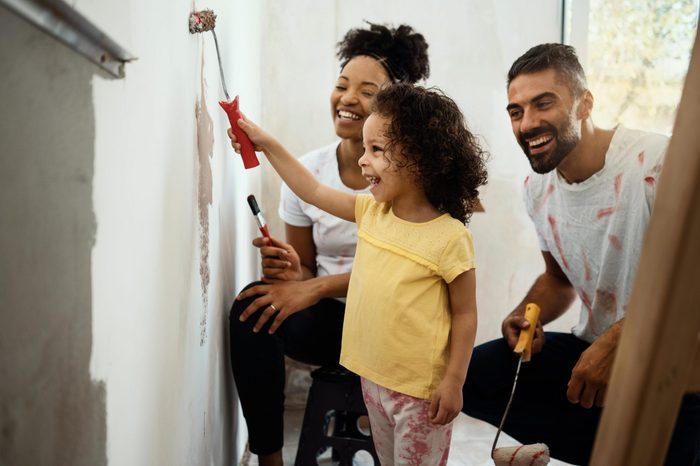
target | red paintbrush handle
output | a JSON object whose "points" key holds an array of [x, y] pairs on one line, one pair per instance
{"points": [[247, 152]]}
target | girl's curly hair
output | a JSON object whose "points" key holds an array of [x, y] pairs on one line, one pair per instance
{"points": [[402, 51], [430, 136]]}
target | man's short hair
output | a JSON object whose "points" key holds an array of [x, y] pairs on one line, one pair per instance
{"points": [[559, 57]]}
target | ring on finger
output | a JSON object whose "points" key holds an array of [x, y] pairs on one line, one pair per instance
{"points": [[273, 307]]}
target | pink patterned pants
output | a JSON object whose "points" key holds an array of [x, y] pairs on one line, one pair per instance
{"points": [[401, 429]]}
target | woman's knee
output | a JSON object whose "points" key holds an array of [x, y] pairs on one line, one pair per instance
{"points": [[239, 305]]}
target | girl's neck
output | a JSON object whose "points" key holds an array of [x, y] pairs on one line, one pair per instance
{"points": [[415, 208], [348, 153]]}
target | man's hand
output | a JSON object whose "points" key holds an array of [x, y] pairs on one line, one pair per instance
{"points": [[514, 324], [591, 374]]}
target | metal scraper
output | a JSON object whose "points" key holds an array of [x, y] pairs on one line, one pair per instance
{"points": [[524, 349]]}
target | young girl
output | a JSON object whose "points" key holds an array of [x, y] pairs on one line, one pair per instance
{"points": [[298, 309], [410, 316]]}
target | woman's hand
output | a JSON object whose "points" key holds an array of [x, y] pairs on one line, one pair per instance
{"points": [[280, 260], [446, 402], [279, 300]]}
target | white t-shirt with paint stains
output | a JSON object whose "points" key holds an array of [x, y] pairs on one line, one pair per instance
{"points": [[335, 239], [595, 229]]}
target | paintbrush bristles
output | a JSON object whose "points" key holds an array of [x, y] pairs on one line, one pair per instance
{"points": [[202, 21]]}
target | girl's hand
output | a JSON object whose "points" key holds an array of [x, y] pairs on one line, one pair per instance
{"points": [[279, 260], [260, 139], [446, 402], [279, 300]]}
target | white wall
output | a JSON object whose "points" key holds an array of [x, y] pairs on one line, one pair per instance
{"points": [[173, 230], [471, 46]]}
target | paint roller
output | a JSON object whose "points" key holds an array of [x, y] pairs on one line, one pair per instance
{"points": [[202, 21], [524, 455]]}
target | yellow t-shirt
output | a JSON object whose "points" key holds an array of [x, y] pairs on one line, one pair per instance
{"points": [[397, 317]]}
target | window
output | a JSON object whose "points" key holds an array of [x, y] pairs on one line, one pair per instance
{"points": [[636, 55]]}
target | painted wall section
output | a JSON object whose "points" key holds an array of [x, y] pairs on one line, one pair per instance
{"points": [[125, 232], [471, 46], [51, 410]]}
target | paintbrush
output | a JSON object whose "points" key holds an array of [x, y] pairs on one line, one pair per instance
{"points": [[203, 21], [524, 455]]}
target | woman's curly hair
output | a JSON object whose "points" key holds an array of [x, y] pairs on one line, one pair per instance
{"points": [[430, 136], [402, 51]]}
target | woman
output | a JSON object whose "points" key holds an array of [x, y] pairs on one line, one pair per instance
{"points": [[296, 310]]}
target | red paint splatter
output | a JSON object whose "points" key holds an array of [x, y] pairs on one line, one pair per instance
{"points": [[615, 241], [618, 187], [605, 212], [640, 157], [607, 301], [586, 300], [587, 268], [512, 458], [545, 198], [535, 456], [611, 210], [557, 240], [650, 180], [527, 179]]}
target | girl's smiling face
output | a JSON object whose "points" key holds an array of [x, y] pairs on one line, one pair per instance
{"points": [[359, 80], [387, 180]]}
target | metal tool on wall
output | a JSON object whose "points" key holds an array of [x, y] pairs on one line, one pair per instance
{"points": [[202, 21], [537, 454]]}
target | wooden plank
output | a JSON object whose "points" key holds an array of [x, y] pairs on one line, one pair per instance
{"points": [[659, 340]]}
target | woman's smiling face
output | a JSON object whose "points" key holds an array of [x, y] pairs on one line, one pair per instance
{"points": [[359, 80]]}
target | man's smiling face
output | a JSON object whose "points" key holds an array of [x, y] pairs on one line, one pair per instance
{"points": [[542, 113]]}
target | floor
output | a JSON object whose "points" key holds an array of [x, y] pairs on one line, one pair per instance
{"points": [[471, 438]]}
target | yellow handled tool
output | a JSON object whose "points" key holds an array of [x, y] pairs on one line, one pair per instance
{"points": [[524, 349]]}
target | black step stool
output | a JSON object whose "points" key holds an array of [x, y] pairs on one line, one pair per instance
{"points": [[330, 420]]}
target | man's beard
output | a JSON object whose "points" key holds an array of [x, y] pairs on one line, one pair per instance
{"points": [[565, 142]]}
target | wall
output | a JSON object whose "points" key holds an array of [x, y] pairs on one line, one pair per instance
{"points": [[51, 410], [471, 45], [125, 233]]}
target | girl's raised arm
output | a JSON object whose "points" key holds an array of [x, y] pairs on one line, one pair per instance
{"points": [[297, 177]]}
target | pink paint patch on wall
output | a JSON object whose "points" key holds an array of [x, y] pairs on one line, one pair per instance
{"points": [[205, 150]]}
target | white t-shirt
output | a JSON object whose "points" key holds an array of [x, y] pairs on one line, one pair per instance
{"points": [[335, 239], [595, 229]]}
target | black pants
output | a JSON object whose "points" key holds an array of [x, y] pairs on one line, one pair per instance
{"points": [[311, 336], [540, 411]]}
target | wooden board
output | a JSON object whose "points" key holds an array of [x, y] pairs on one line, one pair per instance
{"points": [[659, 342]]}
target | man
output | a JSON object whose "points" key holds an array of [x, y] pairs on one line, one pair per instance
{"points": [[590, 199]]}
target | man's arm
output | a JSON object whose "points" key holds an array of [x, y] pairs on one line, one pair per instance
{"points": [[552, 292]]}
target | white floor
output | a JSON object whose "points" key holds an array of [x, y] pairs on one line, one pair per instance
{"points": [[471, 438], [471, 442]]}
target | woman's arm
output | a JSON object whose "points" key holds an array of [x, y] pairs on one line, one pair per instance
{"points": [[298, 178], [291, 296], [447, 399]]}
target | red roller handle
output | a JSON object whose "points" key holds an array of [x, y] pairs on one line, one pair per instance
{"points": [[250, 160]]}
